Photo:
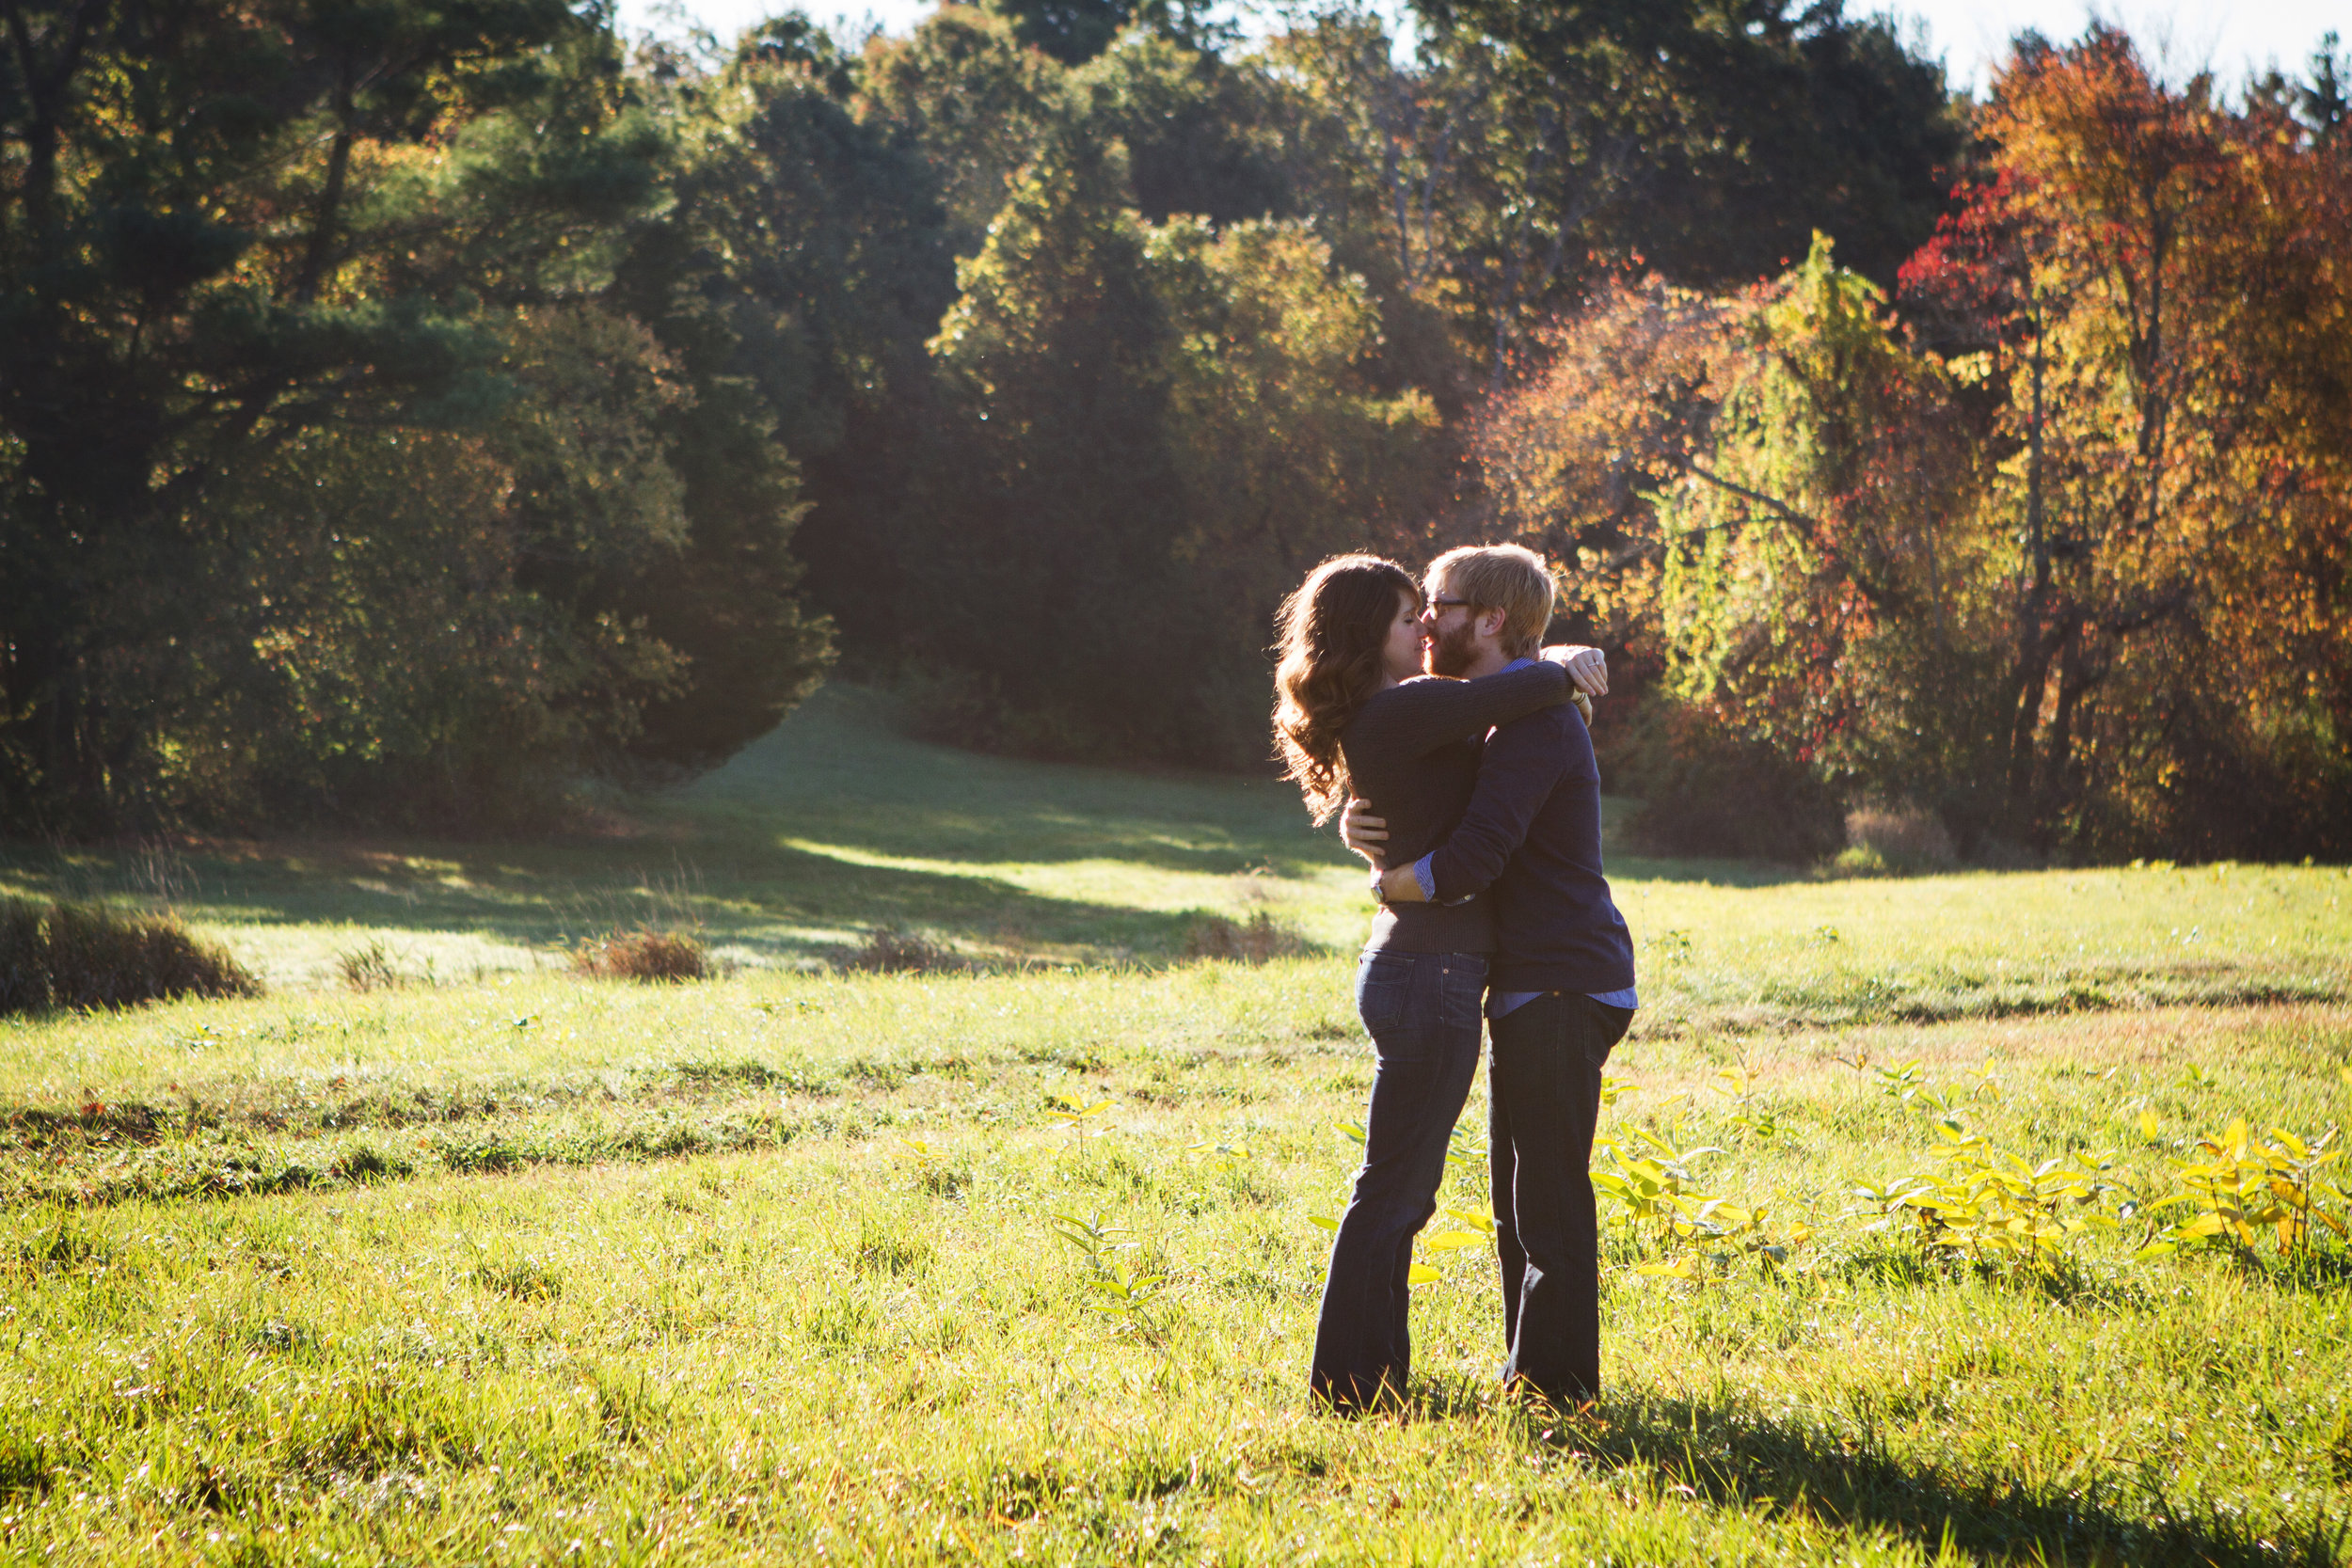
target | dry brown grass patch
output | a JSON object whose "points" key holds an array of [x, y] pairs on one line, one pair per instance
{"points": [[1254, 941], [897, 950], [643, 955]]}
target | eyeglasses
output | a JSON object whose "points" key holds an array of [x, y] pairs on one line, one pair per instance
{"points": [[1437, 604]]}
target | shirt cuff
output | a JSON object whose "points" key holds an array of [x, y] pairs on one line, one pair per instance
{"points": [[1426, 878]]}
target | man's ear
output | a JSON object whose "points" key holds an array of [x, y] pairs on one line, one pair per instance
{"points": [[1490, 623]]}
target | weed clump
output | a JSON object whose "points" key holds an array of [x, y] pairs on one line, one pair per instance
{"points": [[643, 955], [65, 954], [1258, 939], [520, 1279], [898, 950], [883, 1251], [367, 969]]}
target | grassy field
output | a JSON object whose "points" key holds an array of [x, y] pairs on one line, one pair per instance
{"points": [[503, 1265]]}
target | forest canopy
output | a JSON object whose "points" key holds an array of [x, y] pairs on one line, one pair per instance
{"points": [[405, 411]]}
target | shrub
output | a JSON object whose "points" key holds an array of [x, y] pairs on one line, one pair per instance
{"points": [[87, 956], [1904, 834], [1708, 790], [643, 955], [1882, 840], [1262, 937]]}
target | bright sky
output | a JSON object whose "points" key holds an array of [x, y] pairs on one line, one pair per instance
{"points": [[2236, 38]]}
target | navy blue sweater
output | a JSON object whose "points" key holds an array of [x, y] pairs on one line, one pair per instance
{"points": [[1412, 752], [1532, 835]]}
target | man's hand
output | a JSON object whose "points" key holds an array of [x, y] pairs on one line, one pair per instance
{"points": [[1365, 834], [1400, 886], [1588, 668]]}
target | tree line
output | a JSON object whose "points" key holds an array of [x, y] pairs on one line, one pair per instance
{"points": [[406, 409]]}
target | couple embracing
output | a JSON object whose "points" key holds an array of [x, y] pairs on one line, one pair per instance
{"points": [[1462, 744]]}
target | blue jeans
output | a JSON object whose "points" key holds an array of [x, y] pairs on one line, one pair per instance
{"points": [[1545, 1089], [1422, 1011]]}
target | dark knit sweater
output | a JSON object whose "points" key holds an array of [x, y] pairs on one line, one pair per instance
{"points": [[1529, 846], [1412, 752]]}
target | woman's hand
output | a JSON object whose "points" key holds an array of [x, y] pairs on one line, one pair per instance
{"points": [[1365, 834], [1588, 668]]}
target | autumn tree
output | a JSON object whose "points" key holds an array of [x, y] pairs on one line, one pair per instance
{"points": [[2183, 511], [2059, 556]]}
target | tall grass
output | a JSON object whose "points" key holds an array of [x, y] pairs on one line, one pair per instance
{"points": [[65, 955]]}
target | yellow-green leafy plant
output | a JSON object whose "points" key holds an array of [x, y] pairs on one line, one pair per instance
{"points": [[1988, 1206], [1081, 1117], [2242, 1188], [1110, 1285], [1661, 1201]]}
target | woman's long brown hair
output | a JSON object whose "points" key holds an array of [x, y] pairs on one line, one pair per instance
{"points": [[1335, 628]]}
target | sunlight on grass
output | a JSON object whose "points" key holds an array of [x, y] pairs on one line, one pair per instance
{"points": [[769, 1266], [492, 1262], [836, 825]]}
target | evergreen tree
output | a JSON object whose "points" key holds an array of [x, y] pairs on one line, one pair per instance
{"points": [[219, 234]]}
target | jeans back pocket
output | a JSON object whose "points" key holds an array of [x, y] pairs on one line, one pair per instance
{"points": [[1384, 991]]}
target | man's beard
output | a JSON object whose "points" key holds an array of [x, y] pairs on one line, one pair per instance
{"points": [[1454, 650]]}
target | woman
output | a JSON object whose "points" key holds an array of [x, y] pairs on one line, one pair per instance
{"points": [[1350, 718]]}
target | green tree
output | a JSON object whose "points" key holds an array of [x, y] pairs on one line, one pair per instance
{"points": [[1201, 133], [1077, 31], [1287, 448], [797, 276], [1052, 493], [976, 103], [220, 229], [1157, 430], [1711, 138], [415, 624]]}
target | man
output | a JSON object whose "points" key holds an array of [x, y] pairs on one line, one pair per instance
{"points": [[1560, 991]]}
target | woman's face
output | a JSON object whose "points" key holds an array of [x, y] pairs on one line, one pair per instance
{"points": [[1402, 653]]}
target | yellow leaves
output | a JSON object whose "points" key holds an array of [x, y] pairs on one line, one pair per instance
{"points": [[2244, 1186], [1452, 1240]]}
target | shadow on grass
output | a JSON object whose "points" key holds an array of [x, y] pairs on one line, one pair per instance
{"points": [[768, 854], [2323, 1266], [1741, 1458], [839, 773], [2063, 1281], [782, 904]]}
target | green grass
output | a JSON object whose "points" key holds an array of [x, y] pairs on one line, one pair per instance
{"points": [[517, 1267]]}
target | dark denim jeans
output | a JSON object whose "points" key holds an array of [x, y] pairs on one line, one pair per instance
{"points": [[1422, 1011], [1545, 1088]]}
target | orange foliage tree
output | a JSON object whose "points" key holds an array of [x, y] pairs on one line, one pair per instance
{"points": [[2063, 556]]}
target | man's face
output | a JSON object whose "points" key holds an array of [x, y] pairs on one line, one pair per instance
{"points": [[1452, 628]]}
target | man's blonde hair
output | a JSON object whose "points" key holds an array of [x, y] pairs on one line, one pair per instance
{"points": [[1510, 578]]}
